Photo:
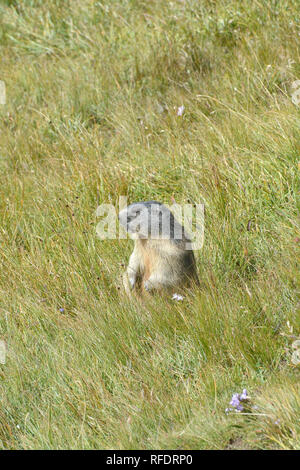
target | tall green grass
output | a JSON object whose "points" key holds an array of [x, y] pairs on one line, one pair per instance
{"points": [[92, 95]]}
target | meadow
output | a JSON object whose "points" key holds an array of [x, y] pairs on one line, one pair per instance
{"points": [[92, 96]]}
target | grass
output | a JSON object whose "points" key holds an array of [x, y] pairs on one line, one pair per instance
{"points": [[92, 93]]}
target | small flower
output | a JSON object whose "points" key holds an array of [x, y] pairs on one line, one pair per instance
{"points": [[61, 310], [180, 110], [177, 297], [235, 400], [239, 408]]}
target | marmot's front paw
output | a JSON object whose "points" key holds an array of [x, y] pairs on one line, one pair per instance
{"points": [[132, 281], [148, 286]]}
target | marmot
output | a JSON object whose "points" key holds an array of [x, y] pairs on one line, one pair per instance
{"points": [[160, 258]]}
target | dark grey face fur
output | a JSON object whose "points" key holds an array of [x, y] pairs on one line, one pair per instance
{"points": [[151, 219]]}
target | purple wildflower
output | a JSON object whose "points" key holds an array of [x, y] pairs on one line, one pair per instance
{"points": [[180, 110], [239, 407], [235, 400], [61, 310], [177, 297]]}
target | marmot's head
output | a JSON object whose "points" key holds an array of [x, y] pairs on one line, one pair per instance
{"points": [[150, 219]]}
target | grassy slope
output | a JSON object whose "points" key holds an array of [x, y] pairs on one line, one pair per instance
{"points": [[86, 83]]}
